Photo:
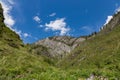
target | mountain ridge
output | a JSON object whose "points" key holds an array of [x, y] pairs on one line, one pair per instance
{"points": [[60, 45], [63, 45], [95, 57]]}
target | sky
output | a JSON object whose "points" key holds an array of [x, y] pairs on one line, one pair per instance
{"points": [[34, 20]]}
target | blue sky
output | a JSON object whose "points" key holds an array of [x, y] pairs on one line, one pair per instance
{"points": [[37, 19]]}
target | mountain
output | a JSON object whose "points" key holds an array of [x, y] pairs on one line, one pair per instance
{"points": [[98, 56], [16, 62], [59, 46], [115, 21], [92, 57]]}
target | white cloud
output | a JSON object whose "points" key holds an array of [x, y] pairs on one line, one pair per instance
{"points": [[26, 35], [22, 34], [37, 19], [53, 14], [7, 7], [58, 25], [41, 26], [19, 32], [117, 10], [9, 21], [108, 19]]}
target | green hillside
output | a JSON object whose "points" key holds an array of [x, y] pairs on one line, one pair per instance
{"points": [[17, 62], [97, 57]]}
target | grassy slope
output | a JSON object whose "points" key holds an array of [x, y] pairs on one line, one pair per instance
{"points": [[18, 64], [99, 56]]}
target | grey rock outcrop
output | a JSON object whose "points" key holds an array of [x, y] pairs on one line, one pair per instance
{"points": [[114, 22], [59, 46]]}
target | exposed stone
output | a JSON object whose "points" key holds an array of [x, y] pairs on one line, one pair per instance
{"points": [[60, 45]]}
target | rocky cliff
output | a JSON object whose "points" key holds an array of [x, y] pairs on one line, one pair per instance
{"points": [[59, 46]]}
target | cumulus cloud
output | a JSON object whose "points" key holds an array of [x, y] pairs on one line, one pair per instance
{"points": [[22, 34], [108, 19], [9, 21], [7, 7], [26, 35], [58, 25], [37, 19], [53, 14]]}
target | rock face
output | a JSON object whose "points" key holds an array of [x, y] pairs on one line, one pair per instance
{"points": [[115, 21], [59, 46]]}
